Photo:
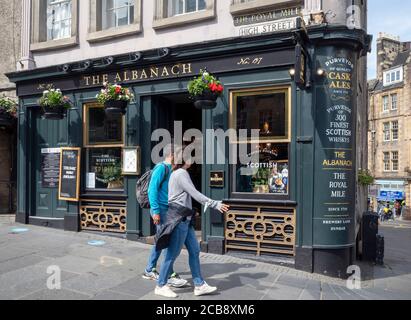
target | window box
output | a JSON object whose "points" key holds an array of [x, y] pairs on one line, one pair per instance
{"points": [[164, 18], [101, 29]]}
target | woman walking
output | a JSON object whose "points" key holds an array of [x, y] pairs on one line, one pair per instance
{"points": [[179, 231]]}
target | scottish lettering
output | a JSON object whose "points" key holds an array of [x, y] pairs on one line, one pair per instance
{"points": [[335, 160], [266, 16], [50, 167], [69, 174]]}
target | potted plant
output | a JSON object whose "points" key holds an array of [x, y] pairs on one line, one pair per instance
{"points": [[114, 98], [54, 104], [8, 111], [204, 90], [112, 176], [365, 177]]}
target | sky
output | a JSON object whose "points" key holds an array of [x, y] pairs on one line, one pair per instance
{"points": [[389, 16]]}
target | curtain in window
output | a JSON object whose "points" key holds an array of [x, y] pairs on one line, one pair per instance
{"points": [[58, 19], [116, 13]]}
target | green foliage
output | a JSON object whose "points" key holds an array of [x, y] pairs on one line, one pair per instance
{"points": [[205, 82], [111, 173], [8, 106], [53, 98], [365, 178], [114, 92]]}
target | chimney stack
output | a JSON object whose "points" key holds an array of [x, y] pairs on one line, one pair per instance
{"points": [[388, 47]]}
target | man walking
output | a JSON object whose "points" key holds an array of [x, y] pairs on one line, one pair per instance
{"points": [[158, 198]]}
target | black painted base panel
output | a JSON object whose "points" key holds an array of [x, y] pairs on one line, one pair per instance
{"points": [[47, 222]]}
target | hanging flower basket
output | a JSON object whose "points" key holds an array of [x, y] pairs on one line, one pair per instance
{"points": [[115, 107], [54, 113], [54, 104], [115, 98], [8, 112], [206, 101], [205, 90]]}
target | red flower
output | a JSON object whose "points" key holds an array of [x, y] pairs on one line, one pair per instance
{"points": [[118, 90], [220, 88]]}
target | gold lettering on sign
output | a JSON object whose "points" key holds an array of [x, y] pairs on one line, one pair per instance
{"points": [[165, 72], [96, 79], [143, 74], [105, 78], [134, 74], [175, 72], [187, 68], [153, 72], [126, 78], [87, 78], [118, 78]]}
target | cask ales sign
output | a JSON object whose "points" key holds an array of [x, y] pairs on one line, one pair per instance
{"points": [[334, 202]]}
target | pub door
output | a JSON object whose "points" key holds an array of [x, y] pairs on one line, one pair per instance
{"points": [[47, 136]]}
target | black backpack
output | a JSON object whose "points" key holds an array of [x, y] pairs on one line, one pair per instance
{"points": [[142, 188]]}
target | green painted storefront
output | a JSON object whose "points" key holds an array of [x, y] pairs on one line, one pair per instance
{"points": [[228, 60]]}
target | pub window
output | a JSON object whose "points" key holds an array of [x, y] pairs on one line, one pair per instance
{"points": [[104, 139], [54, 24], [267, 110], [170, 13]]}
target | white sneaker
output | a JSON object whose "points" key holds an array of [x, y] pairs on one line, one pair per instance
{"points": [[165, 291], [176, 282], [204, 289]]}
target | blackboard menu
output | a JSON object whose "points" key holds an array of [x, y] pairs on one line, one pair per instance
{"points": [[69, 174], [50, 167]]}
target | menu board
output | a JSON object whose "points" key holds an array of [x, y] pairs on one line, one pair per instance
{"points": [[69, 174], [50, 167], [334, 203]]}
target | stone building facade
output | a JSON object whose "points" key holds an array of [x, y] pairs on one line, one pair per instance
{"points": [[389, 137], [10, 24]]}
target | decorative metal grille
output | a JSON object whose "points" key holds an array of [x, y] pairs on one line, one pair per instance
{"points": [[100, 215], [264, 230]]}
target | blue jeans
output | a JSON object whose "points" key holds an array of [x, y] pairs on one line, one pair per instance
{"points": [[154, 254], [183, 234]]}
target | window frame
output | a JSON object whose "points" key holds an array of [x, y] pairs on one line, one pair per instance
{"points": [[161, 21], [55, 3], [87, 146], [396, 102], [395, 160], [95, 31], [38, 39], [386, 131], [397, 130], [233, 93], [386, 162], [396, 73], [385, 103]]}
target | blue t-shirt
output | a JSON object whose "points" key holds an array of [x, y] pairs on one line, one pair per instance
{"points": [[158, 188]]}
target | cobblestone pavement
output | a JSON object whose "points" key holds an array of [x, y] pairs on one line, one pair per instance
{"points": [[113, 270]]}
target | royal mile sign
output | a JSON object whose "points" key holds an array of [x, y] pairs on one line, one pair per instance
{"points": [[266, 16]]}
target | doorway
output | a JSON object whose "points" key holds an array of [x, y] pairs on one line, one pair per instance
{"points": [[178, 107]]}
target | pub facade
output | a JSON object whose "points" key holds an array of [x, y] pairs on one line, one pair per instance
{"points": [[288, 69]]}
